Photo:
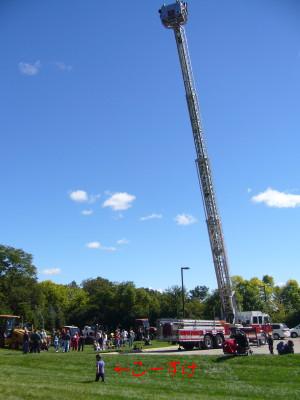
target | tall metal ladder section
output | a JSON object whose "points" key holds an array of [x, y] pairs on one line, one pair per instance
{"points": [[174, 16]]}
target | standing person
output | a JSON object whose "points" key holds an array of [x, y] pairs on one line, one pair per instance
{"points": [[100, 340], [35, 340], [104, 340], [131, 337], [56, 342], [270, 342], [100, 364], [124, 336], [26, 341], [117, 338], [67, 341], [74, 342], [62, 339], [81, 341]]}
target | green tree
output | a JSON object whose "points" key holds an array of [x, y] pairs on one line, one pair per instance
{"points": [[18, 282], [199, 293]]}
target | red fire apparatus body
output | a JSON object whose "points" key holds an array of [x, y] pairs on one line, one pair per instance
{"points": [[193, 333], [208, 334]]}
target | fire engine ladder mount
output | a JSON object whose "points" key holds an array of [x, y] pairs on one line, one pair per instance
{"points": [[174, 16]]}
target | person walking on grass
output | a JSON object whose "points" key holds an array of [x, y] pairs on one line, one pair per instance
{"points": [[100, 364]]}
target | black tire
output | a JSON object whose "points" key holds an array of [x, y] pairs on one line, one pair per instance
{"points": [[276, 336], [218, 341], [208, 342], [294, 334]]}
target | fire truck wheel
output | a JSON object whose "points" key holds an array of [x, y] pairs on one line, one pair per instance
{"points": [[218, 341], [208, 342]]}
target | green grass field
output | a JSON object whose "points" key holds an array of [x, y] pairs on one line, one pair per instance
{"points": [[70, 376]]}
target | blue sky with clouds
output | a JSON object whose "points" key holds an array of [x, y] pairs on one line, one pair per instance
{"points": [[97, 156]]}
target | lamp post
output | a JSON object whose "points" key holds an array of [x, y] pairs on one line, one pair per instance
{"points": [[265, 293], [182, 292]]}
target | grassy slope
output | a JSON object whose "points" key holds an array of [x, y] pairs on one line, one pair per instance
{"points": [[71, 376]]}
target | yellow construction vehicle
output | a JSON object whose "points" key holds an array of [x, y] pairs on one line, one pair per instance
{"points": [[11, 331]]}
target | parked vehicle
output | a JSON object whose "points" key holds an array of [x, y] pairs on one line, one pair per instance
{"points": [[295, 332], [72, 329], [89, 333], [188, 333], [280, 331], [143, 330], [11, 331]]}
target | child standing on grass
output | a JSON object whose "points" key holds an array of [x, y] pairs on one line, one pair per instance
{"points": [[100, 364], [56, 342]]}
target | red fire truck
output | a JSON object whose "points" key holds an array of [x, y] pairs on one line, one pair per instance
{"points": [[208, 334], [193, 333]]}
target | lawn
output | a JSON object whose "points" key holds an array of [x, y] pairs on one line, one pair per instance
{"points": [[50, 375]]}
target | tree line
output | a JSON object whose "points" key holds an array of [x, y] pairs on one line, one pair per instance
{"points": [[114, 304]]}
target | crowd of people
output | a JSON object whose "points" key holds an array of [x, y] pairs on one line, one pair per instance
{"points": [[35, 341], [117, 339], [64, 340]]}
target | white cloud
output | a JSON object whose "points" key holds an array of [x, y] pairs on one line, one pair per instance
{"points": [[93, 245], [87, 212], [276, 199], [185, 219], [62, 66], [80, 196], [98, 245], [30, 69], [51, 271], [119, 201], [151, 216], [123, 241]]}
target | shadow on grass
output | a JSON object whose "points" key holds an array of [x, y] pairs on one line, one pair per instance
{"points": [[225, 358]]}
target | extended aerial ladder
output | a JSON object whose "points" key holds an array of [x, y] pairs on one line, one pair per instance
{"points": [[174, 16]]}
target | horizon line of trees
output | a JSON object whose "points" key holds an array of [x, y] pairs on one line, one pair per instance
{"points": [[114, 304]]}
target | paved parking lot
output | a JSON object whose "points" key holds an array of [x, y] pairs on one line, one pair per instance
{"points": [[256, 350]]}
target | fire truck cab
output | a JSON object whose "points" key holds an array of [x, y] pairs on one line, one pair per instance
{"points": [[258, 320]]}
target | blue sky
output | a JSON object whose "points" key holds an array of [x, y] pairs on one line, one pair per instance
{"points": [[97, 156]]}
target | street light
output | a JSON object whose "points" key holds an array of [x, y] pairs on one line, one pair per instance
{"points": [[182, 292], [265, 293]]}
